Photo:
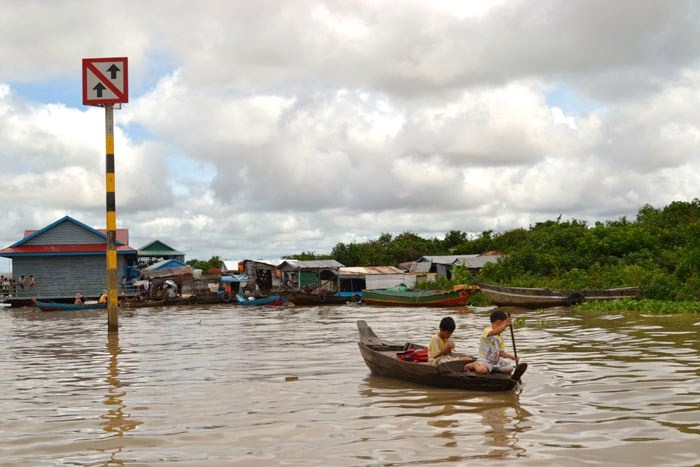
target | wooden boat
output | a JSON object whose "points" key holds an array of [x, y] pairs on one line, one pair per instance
{"points": [[381, 358], [403, 296], [301, 298], [272, 300], [543, 298], [53, 306]]}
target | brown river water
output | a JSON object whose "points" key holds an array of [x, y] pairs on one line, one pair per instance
{"points": [[220, 385]]}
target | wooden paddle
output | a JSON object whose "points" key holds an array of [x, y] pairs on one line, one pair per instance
{"points": [[512, 336]]}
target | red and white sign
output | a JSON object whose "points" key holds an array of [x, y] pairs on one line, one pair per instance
{"points": [[105, 80]]}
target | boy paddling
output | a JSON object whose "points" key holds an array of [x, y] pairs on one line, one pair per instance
{"points": [[492, 349]]}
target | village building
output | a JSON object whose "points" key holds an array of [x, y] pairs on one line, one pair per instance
{"points": [[263, 275], [357, 278], [65, 258], [442, 265], [309, 275], [157, 251]]}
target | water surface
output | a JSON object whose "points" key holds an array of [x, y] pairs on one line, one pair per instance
{"points": [[210, 385]]}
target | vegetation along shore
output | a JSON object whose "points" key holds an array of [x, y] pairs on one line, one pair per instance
{"points": [[658, 251]]}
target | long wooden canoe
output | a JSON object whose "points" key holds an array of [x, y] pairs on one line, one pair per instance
{"points": [[543, 298], [52, 306], [381, 358], [398, 296]]}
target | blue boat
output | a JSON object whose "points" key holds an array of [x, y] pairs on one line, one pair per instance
{"points": [[272, 300], [52, 306]]}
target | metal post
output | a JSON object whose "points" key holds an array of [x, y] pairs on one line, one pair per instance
{"points": [[112, 296]]}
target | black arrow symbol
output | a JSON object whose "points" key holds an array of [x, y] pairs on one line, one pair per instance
{"points": [[113, 71], [99, 88]]}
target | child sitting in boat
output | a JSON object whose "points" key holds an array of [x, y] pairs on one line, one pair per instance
{"points": [[492, 349], [78, 299], [441, 346]]}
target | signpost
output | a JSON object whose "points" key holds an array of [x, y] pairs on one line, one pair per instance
{"points": [[105, 83]]}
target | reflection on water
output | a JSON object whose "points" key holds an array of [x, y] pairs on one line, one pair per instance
{"points": [[117, 421], [451, 413], [229, 386]]}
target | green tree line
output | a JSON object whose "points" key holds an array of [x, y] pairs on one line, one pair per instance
{"points": [[659, 251]]}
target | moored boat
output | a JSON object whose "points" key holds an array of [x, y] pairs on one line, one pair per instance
{"points": [[403, 296], [53, 306], [272, 300], [542, 297], [381, 357]]}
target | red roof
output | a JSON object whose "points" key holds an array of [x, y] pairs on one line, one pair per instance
{"points": [[86, 248]]}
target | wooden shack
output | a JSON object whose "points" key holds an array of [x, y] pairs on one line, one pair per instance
{"points": [[309, 275]]}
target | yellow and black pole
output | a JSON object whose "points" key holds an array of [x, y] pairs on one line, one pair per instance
{"points": [[112, 295], [105, 83]]}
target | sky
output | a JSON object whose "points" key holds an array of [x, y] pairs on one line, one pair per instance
{"points": [[257, 129]]}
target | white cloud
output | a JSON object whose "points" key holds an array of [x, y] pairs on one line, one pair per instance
{"points": [[263, 128]]}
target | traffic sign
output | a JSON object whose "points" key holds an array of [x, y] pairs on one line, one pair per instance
{"points": [[105, 80]]}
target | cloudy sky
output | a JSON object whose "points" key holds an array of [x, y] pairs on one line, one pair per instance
{"points": [[263, 128]]}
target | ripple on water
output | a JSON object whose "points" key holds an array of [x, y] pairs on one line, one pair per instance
{"points": [[210, 384]]}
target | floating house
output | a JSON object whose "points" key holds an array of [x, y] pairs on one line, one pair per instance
{"points": [[262, 274], [157, 251], [65, 257], [356, 279], [309, 275]]}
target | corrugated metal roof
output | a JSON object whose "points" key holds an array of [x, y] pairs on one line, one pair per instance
{"points": [[229, 265], [478, 262], [159, 248], [369, 270], [269, 262], [290, 264], [447, 259]]}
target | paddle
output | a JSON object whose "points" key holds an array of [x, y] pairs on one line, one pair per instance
{"points": [[512, 336]]}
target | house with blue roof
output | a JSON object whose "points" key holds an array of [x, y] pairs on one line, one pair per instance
{"points": [[65, 257]]}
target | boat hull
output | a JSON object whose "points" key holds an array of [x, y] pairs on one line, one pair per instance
{"points": [[311, 299], [51, 306], [380, 357], [273, 300], [437, 298], [544, 298]]}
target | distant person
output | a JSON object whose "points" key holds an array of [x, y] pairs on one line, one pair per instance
{"points": [[32, 282], [492, 348], [78, 299], [20, 282], [103, 297], [441, 345]]}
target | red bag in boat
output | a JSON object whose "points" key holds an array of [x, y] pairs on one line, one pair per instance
{"points": [[413, 355]]}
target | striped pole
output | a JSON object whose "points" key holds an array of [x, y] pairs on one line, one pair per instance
{"points": [[112, 296]]}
